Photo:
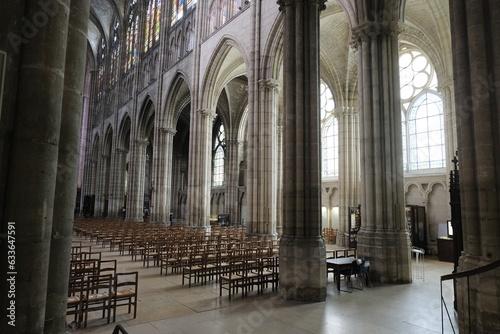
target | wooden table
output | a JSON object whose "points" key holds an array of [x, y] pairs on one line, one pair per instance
{"points": [[338, 265]]}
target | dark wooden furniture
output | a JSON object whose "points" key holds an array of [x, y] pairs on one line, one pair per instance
{"points": [[445, 249], [339, 265]]}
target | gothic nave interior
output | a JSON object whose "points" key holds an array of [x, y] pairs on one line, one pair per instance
{"points": [[284, 117]]}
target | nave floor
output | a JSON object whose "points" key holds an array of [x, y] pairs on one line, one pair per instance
{"points": [[167, 307]]}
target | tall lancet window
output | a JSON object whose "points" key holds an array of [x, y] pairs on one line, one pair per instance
{"points": [[101, 56], [115, 54], [177, 10], [422, 112], [223, 11], [330, 132], [132, 35], [190, 4], [219, 153], [153, 24]]}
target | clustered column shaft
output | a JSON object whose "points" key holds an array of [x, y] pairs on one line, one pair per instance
{"points": [[302, 248]]}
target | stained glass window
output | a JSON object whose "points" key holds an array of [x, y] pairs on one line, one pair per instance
{"points": [[223, 8], [422, 112], [329, 131], [190, 4], [153, 24], [219, 155], [212, 20], [132, 35], [157, 26], [115, 53], [237, 5], [177, 10], [101, 56]]}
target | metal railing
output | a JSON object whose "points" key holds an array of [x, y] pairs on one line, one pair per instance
{"points": [[464, 274], [119, 329]]}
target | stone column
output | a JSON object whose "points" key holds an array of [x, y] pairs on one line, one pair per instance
{"points": [[32, 164], [302, 248], [88, 170], [137, 167], [117, 186], [262, 162], [383, 236], [232, 170], [200, 171], [476, 55], [163, 180], [279, 180], [447, 92], [67, 169], [349, 167]]}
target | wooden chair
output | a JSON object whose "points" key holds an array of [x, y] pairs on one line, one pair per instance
{"points": [[193, 268], [107, 267], [97, 296], [151, 253], [351, 252], [339, 253], [233, 280], [75, 299], [125, 291], [168, 259]]}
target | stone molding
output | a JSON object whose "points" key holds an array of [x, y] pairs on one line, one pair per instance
{"points": [[141, 142], [370, 30], [168, 131], [206, 113], [270, 84], [283, 3]]}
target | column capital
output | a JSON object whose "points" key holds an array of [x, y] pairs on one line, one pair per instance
{"points": [[206, 113], [445, 85], [271, 84], [283, 3], [168, 131], [347, 111], [370, 30], [140, 142]]}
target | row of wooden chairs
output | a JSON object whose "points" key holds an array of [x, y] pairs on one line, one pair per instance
{"points": [[330, 235], [103, 292], [95, 285], [340, 253], [245, 273]]}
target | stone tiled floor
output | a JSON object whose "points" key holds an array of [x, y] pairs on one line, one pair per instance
{"points": [[168, 307]]}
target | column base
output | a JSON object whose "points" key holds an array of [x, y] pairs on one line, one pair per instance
{"points": [[389, 252], [303, 268], [483, 293]]}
